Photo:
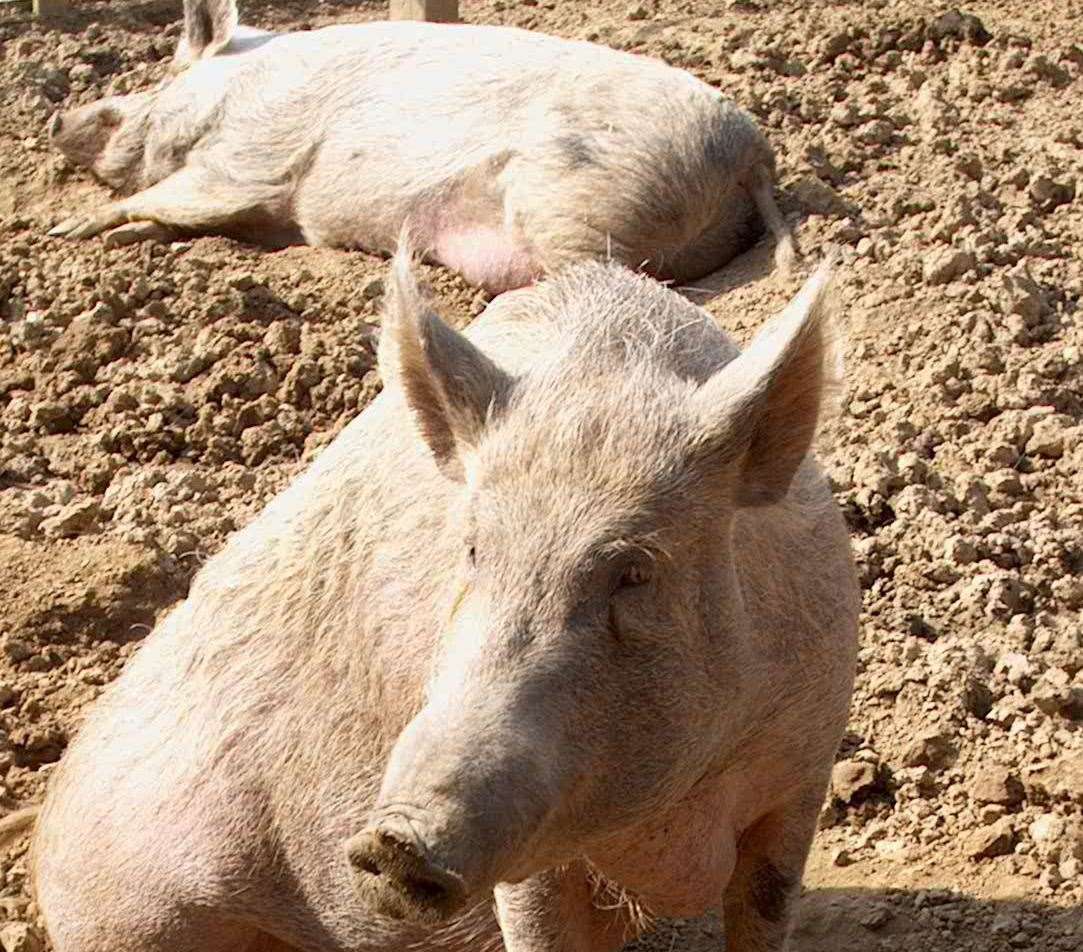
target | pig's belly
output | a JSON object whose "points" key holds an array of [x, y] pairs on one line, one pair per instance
{"points": [[485, 255]]}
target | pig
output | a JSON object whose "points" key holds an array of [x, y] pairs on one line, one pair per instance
{"points": [[508, 152], [557, 636]]}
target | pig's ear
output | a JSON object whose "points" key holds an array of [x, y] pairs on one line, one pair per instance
{"points": [[758, 414], [208, 28], [450, 386]]}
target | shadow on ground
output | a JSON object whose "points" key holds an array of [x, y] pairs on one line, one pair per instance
{"points": [[857, 920], [748, 268]]}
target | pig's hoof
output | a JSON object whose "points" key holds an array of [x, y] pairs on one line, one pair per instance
{"points": [[138, 231], [82, 226], [64, 228]]}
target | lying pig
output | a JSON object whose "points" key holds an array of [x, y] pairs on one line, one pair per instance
{"points": [[567, 614], [509, 152]]}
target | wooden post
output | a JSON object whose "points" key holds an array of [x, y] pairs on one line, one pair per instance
{"points": [[48, 8], [439, 11]]}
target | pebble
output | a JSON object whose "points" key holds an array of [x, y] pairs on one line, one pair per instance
{"points": [[946, 265], [986, 842], [1047, 829], [51, 417], [997, 785], [77, 518], [932, 749], [20, 937], [851, 779]]}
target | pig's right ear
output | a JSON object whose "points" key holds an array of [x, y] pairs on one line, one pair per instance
{"points": [[451, 387], [208, 28]]}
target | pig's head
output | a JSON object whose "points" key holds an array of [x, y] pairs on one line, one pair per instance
{"points": [[107, 137], [595, 656], [121, 139]]}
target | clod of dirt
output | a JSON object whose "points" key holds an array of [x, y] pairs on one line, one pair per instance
{"points": [[179, 387], [986, 842], [852, 778], [20, 937], [997, 785]]}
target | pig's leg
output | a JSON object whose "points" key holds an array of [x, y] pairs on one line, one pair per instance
{"points": [[555, 912], [194, 198], [758, 903]]}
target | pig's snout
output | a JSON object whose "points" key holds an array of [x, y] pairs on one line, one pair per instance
{"points": [[398, 880], [55, 125]]}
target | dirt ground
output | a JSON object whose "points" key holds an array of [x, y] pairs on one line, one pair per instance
{"points": [[152, 398]]}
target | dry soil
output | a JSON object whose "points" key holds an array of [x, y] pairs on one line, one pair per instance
{"points": [[152, 398]]}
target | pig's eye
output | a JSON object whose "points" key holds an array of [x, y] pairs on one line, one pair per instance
{"points": [[634, 576], [472, 555]]}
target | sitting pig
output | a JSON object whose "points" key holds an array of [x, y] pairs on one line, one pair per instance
{"points": [[508, 152], [566, 617]]}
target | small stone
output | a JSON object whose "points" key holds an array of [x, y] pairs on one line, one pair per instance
{"points": [[51, 417], [1069, 590], [1049, 194], [969, 165], [944, 266], [637, 12], [877, 132], [960, 551], [1047, 829], [931, 749], [81, 73], [961, 26], [1007, 596], [373, 288], [845, 114], [977, 697], [17, 650], [997, 785], [841, 857], [20, 937], [985, 842], [819, 198], [834, 46], [283, 338], [1022, 296], [77, 518], [1053, 693], [243, 281], [850, 779], [876, 918], [1047, 439], [1015, 666]]}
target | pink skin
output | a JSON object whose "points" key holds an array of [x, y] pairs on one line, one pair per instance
{"points": [[485, 256]]}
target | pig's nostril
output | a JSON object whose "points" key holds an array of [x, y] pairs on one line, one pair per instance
{"points": [[426, 890], [366, 865], [401, 883]]}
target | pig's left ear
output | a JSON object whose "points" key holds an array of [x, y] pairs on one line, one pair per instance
{"points": [[208, 28], [758, 414], [451, 387]]}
